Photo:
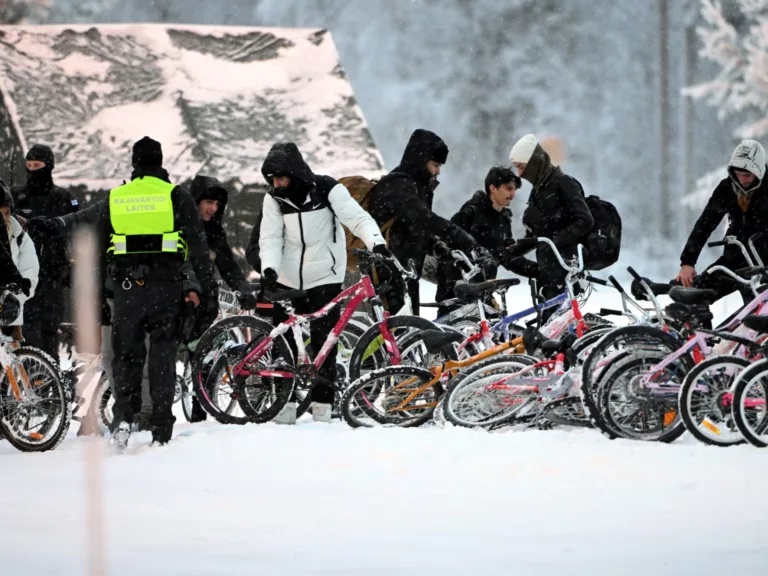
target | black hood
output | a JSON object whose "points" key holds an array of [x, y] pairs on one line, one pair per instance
{"points": [[284, 159], [422, 147], [209, 188], [40, 182]]}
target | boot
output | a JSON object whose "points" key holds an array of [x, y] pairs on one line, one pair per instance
{"points": [[287, 415], [121, 436], [198, 413], [161, 435], [321, 412]]}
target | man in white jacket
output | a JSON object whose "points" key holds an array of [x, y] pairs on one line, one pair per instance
{"points": [[302, 246], [22, 251]]}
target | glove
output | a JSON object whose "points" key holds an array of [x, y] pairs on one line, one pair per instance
{"points": [[480, 254], [441, 250], [382, 250], [247, 301], [269, 280], [41, 227]]}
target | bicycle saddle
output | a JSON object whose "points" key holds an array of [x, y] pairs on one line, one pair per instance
{"points": [[692, 295], [284, 295], [657, 288], [436, 340], [471, 291], [757, 323]]}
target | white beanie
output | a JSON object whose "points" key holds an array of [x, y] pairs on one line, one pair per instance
{"points": [[523, 150], [749, 155]]}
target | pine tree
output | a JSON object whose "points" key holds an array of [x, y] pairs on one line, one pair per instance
{"points": [[740, 88]]}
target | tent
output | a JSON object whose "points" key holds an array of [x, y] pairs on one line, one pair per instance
{"points": [[216, 98]]}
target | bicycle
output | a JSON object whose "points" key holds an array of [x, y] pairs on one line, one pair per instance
{"points": [[263, 374], [35, 406], [749, 392]]}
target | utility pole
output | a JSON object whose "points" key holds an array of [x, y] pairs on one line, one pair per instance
{"points": [[665, 208]]}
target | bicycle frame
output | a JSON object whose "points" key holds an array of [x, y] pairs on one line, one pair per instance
{"points": [[358, 293]]}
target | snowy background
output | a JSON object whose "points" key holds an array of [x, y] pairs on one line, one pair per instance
{"points": [[604, 76]]}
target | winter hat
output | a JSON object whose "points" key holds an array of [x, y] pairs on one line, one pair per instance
{"points": [[6, 198], [42, 153], [147, 153], [749, 155], [523, 149]]}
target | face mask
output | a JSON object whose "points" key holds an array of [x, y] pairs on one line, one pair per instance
{"points": [[39, 178]]}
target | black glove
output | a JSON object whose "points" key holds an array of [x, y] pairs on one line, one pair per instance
{"points": [[441, 250], [247, 301], [41, 227], [269, 280], [480, 254], [382, 250]]}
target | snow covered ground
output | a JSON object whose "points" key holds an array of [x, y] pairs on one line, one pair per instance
{"points": [[326, 499]]}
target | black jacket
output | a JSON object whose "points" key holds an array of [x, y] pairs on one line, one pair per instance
{"points": [[492, 229], [161, 266], [406, 194], [742, 224], [43, 199], [207, 187]]}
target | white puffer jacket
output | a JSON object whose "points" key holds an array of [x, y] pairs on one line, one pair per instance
{"points": [[25, 258], [306, 244]]}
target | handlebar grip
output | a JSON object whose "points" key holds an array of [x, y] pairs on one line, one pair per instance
{"points": [[359, 252], [596, 280], [616, 284], [634, 274], [609, 312], [526, 242], [717, 244]]}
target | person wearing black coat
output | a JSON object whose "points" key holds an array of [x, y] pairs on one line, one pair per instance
{"points": [[556, 209], [487, 218], [39, 197], [406, 194], [742, 197], [148, 287]]}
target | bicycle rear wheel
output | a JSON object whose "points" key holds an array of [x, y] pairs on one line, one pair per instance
{"points": [[750, 395], [705, 400], [40, 419]]}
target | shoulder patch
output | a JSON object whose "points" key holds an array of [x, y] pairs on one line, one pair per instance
{"points": [[75, 202]]}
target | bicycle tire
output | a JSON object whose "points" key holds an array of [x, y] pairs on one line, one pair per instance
{"points": [[209, 350], [60, 394], [706, 429], [754, 434], [350, 407], [474, 376], [102, 396], [669, 433], [567, 411]]}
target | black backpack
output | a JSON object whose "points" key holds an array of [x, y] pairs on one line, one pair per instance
{"points": [[603, 242]]}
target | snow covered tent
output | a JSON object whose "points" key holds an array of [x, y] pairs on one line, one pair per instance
{"points": [[216, 98]]}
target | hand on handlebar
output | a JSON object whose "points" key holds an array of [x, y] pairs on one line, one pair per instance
{"points": [[382, 250]]}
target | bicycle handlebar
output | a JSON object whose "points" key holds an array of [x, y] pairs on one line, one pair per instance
{"points": [[616, 284], [594, 280]]}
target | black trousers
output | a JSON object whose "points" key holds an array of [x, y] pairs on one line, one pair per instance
{"points": [[319, 330], [152, 309], [722, 284], [43, 314]]}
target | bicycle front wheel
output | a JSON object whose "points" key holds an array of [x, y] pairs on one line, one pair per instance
{"points": [[750, 394], [37, 419]]}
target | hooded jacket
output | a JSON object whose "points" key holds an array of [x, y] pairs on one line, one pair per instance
{"points": [[406, 195], [205, 187], [25, 258], [492, 229], [301, 235], [747, 211], [161, 266]]}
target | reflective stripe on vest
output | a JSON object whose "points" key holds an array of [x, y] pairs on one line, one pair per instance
{"points": [[143, 209]]}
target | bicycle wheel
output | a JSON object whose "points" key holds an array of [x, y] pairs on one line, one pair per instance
{"points": [[103, 402], [262, 397], [750, 395], [381, 396], [39, 420], [705, 400], [370, 353], [629, 405], [216, 351], [567, 411], [472, 402]]}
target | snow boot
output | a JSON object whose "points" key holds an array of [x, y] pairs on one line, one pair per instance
{"points": [[161, 435], [287, 415], [321, 412], [198, 413], [121, 436]]}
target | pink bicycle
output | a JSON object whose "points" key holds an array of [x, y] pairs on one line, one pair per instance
{"points": [[263, 374]]}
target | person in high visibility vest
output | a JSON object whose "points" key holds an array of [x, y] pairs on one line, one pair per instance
{"points": [[148, 228]]}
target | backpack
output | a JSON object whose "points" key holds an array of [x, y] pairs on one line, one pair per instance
{"points": [[360, 189], [603, 242]]}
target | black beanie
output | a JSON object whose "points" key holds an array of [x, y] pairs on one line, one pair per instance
{"points": [[42, 153], [147, 153]]}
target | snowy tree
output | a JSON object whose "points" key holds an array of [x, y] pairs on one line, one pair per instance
{"points": [[740, 88], [19, 11]]}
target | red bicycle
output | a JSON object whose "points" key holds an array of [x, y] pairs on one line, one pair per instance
{"points": [[263, 374]]}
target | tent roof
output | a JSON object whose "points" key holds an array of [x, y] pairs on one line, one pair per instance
{"points": [[216, 98]]}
